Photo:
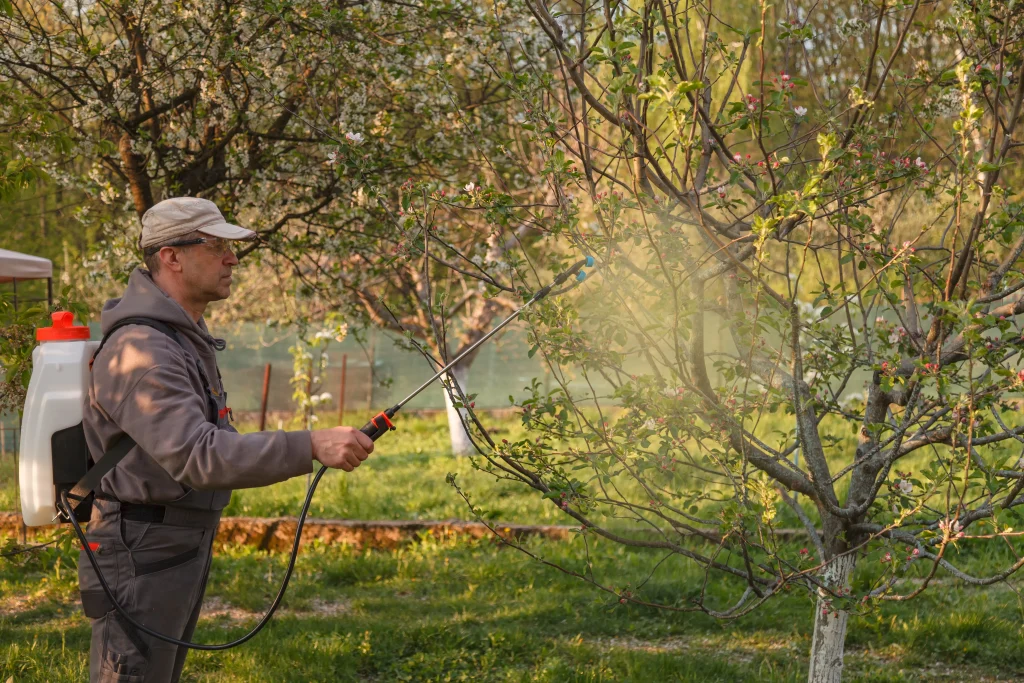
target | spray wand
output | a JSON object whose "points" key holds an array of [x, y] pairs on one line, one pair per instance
{"points": [[381, 423]]}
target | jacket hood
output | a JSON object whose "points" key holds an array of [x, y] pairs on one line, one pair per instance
{"points": [[144, 299]]}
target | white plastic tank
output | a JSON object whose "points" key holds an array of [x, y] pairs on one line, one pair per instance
{"points": [[60, 374]]}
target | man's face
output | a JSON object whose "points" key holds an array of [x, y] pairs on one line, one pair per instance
{"points": [[206, 269]]}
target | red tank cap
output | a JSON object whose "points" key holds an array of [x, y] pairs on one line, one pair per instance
{"points": [[64, 329]]}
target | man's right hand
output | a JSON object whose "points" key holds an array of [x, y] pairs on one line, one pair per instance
{"points": [[341, 447]]}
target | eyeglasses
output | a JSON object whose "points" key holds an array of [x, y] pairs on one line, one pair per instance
{"points": [[218, 245]]}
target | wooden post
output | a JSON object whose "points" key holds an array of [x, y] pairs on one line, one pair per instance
{"points": [[309, 411], [17, 487], [371, 356], [263, 400], [341, 391], [309, 395]]}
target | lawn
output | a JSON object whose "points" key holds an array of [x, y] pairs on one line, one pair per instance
{"points": [[476, 611]]}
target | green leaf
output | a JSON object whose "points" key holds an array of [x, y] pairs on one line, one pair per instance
{"points": [[688, 86]]}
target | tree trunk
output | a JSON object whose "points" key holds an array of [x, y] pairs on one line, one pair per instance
{"points": [[830, 629], [461, 443]]}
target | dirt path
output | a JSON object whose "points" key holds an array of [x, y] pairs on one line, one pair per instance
{"points": [[277, 533]]}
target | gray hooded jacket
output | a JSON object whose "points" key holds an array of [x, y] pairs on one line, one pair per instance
{"points": [[144, 384]]}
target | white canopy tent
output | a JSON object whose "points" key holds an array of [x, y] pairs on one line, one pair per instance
{"points": [[15, 266]]}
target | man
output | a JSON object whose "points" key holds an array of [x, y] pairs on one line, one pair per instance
{"points": [[156, 513]]}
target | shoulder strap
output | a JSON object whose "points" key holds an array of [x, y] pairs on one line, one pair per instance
{"points": [[156, 325], [138, 320], [125, 444], [107, 462]]}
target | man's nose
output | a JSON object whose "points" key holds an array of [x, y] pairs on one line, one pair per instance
{"points": [[230, 259]]}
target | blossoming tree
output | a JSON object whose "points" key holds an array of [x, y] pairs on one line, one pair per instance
{"points": [[832, 188]]}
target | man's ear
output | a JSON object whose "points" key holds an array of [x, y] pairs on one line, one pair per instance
{"points": [[169, 259]]}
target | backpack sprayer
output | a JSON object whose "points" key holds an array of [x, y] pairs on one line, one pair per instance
{"points": [[51, 445]]}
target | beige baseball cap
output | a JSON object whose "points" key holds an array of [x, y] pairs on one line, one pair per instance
{"points": [[179, 216]]}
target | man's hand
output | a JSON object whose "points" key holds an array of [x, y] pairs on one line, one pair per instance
{"points": [[341, 447]]}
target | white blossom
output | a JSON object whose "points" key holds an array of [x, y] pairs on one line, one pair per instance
{"points": [[905, 487], [354, 138], [799, 111]]}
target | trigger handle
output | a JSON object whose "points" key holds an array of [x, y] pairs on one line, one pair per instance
{"points": [[377, 427]]}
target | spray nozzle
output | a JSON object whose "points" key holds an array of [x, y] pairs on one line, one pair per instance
{"points": [[590, 261], [581, 276]]}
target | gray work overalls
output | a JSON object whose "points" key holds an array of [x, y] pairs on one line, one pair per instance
{"points": [[156, 558]]}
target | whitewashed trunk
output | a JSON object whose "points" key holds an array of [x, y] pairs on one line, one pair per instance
{"points": [[461, 443], [830, 629]]}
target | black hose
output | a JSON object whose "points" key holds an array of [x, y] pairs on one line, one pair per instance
{"points": [[184, 643]]}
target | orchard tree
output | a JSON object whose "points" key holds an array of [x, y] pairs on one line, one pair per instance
{"points": [[832, 185], [300, 119]]}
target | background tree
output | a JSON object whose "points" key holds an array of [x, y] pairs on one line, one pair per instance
{"points": [[832, 186], [292, 117]]}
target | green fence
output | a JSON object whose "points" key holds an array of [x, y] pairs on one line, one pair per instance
{"points": [[378, 372]]}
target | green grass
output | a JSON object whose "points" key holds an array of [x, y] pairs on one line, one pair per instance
{"points": [[8, 483], [474, 611], [404, 479]]}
